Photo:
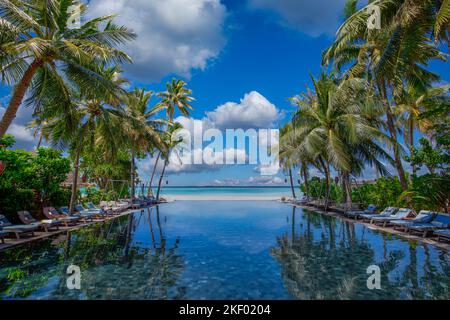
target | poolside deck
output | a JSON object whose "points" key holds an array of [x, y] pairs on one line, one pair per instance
{"points": [[40, 235], [407, 236]]}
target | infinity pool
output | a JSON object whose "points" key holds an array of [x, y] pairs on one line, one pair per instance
{"points": [[225, 250]]}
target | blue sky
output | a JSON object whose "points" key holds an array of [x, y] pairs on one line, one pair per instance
{"points": [[225, 50]]}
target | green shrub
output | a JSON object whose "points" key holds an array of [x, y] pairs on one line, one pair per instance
{"points": [[13, 200], [61, 197], [428, 192], [385, 192]]}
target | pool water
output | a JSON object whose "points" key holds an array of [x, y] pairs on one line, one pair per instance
{"points": [[225, 250]]}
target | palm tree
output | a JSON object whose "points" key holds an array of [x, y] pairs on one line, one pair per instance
{"points": [[177, 96], [334, 127], [142, 130], [170, 142], [412, 103], [391, 57], [38, 124], [41, 56], [91, 122], [285, 158]]}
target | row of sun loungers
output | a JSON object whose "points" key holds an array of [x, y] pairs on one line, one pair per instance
{"points": [[62, 217], [425, 223]]}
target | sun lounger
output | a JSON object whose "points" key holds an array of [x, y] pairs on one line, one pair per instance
{"points": [[3, 236], [424, 216], [114, 207], [109, 208], [52, 214], [385, 213], [313, 203], [441, 221], [17, 229], [64, 211], [91, 207], [401, 214], [90, 214], [47, 225], [371, 209], [124, 204], [442, 234], [301, 201]]}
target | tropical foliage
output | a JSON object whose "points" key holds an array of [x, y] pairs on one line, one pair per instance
{"points": [[378, 95], [32, 180]]}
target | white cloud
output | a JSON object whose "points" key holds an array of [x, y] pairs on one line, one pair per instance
{"points": [[253, 111], [21, 133], [174, 36], [24, 137], [311, 17]]}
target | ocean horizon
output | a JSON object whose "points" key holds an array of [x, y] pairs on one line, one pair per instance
{"points": [[224, 192]]}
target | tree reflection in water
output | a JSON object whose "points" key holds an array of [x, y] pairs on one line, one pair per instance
{"points": [[327, 258], [112, 265]]}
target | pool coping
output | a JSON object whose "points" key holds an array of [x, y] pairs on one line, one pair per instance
{"points": [[407, 236]]}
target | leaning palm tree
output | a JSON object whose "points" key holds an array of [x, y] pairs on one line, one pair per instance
{"points": [[41, 56], [171, 139]]}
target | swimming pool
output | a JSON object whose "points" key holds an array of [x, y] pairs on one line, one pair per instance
{"points": [[225, 250]]}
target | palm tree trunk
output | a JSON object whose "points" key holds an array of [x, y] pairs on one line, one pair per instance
{"points": [[326, 169], [150, 190], [327, 185], [305, 178], [292, 183], [132, 174], [17, 98], [393, 135], [160, 181], [73, 197], [293, 226], [411, 143], [348, 189], [40, 141], [344, 191]]}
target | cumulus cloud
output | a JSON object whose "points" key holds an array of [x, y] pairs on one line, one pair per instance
{"points": [[174, 36], [197, 155], [253, 111], [21, 133], [311, 17], [24, 136]]}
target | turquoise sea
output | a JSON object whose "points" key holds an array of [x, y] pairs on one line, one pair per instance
{"points": [[272, 192]]}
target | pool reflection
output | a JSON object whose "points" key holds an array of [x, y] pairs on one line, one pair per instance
{"points": [[326, 258], [224, 250]]}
